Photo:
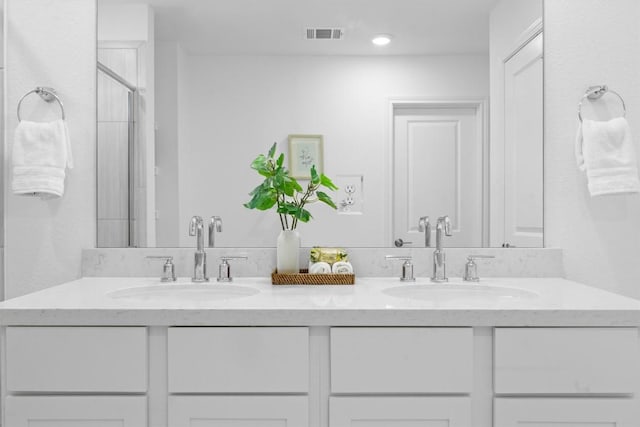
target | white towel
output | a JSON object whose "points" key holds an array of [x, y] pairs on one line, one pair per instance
{"points": [[605, 150], [342, 267], [319, 268], [41, 153]]}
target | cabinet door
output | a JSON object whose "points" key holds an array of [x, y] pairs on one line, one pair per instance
{"points": [[566, 412], [76, 411], [399, 411], [238, 411]]}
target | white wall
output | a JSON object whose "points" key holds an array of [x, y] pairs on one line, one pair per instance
{"points": [[124, 22], [589, 42], [167, 155], [237, 106], [52, 43]]}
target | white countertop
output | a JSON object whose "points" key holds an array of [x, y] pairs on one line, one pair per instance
{"points": [[558, 302]]}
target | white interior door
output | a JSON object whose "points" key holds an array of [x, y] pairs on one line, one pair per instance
{"points": [[523, 173], [437, 170]]}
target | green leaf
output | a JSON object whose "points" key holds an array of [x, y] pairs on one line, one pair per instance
{"points": [[272, 150], [259, 162], [303, 215], [280, 160], [315, 178], [326, 182], [263, 200], [287, 208], [323, 197]]}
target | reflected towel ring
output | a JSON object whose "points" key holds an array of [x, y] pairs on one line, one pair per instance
{"points": [[47, 94], [596, 92]]}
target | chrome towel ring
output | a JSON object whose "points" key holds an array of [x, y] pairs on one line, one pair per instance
{"points": [[596, 92], [47, 94]]}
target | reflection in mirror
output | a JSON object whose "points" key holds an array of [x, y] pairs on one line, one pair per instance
{"points": [[446, 119]]}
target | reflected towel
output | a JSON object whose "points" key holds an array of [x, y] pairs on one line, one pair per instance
{"points": [[342, 267], [605, 150], [41, 153]]}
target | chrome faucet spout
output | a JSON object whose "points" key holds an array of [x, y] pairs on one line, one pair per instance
{"points": [[425, 226], [443, 225], [215, 225], [196, 228], [439, 257]]}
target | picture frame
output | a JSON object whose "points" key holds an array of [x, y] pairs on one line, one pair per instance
{"points": [[304, 152]]}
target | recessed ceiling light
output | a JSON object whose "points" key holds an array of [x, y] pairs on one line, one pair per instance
{"points": [[381, 40]]}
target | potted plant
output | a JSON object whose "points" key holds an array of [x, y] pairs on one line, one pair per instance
{"points": [[281, 191]]}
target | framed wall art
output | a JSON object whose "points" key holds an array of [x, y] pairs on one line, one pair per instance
{"points": [[304, 152]]}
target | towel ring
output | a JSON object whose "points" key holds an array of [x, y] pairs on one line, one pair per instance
{"points": [[596, 92], [47, 94]]}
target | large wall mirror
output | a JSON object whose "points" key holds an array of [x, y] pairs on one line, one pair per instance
{"points": [[446, 119]]}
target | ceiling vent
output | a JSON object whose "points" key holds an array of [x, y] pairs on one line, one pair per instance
{"points": [[324, 34]]}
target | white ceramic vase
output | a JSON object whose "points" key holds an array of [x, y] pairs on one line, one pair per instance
{"points": [[288, 252]]}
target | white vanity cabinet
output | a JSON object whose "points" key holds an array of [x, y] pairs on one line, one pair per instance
{"points": [[403, 376], [563, 412], [67, 411], [590, 376], [58, 376], [234, 371]]}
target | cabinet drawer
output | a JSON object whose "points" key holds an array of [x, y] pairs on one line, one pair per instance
{"points": [[568, 412], [399, 411], [238, 360], [76, 359], [566, 360], [238, 411], [401, 360], [58, 411]]}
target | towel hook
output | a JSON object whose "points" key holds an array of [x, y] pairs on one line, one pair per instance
{"points": [[594, 93], [48, 94]]}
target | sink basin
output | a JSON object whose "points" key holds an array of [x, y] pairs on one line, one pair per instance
{"points": [[458, 291], [184, 292]]}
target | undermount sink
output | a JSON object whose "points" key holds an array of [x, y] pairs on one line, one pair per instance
{"points": [[458, 291], [184, 292]]}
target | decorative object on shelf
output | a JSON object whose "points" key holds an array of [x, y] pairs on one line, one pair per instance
{"points": [[288, 251], [305, 278], [282, 191], [606, 151], [305, 151]]}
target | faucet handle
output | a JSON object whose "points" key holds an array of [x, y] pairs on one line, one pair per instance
{"points": [[224, 269], [168, 270], [471, 268], [407, 267]]}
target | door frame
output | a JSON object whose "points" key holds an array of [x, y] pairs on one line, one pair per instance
{"points": [[497, 158], [481, 106]]}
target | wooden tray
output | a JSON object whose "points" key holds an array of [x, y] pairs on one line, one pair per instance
{"points": [[304, 278]]}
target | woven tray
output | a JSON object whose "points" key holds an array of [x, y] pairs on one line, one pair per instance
{"points": [[304, 278]]}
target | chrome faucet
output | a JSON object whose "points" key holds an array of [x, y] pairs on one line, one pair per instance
{"points": [[439, 259], [425, 226], [215, 224], [196, 228]]}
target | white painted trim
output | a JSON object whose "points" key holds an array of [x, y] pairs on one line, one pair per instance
{"points": [[523, 39], [496, 150], [481, 105]]}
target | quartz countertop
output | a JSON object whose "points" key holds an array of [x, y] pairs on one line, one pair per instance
{"points": [[555, 302]]}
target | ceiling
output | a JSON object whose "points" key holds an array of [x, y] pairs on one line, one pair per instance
{"points": [[276, 27]]}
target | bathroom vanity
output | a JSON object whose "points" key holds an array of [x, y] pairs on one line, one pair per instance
{"points": [[542, 351]]}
